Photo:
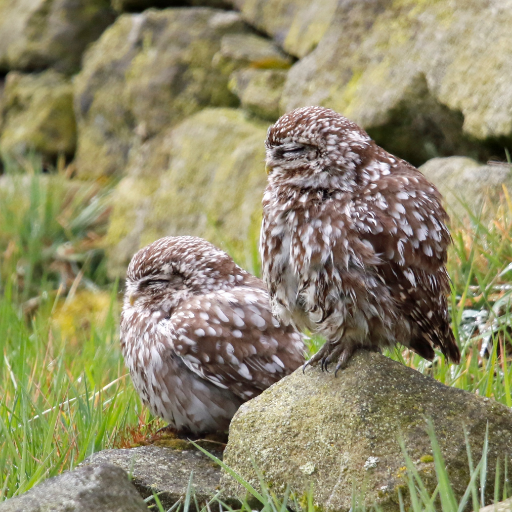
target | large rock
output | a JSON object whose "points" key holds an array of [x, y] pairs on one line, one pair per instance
{"points": [[259, 90], [205, 177], [424, 78], [165, 471], [36, 34], [465, 184], [102, 487], [339, 434], [37, 114], [297, 25], [148, 72]]}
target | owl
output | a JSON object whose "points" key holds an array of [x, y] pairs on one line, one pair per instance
{"points": [[353, 241], [198, 335]]}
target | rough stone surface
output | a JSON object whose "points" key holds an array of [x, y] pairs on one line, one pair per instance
{"points": [[37, 114], [36, 34], [314, 429], [466, 184], [165, 471], [297, 25], [502, 506], [205, 178], [141, 5], [102, 487], [146, 73], [425, 78], [259, 90]]}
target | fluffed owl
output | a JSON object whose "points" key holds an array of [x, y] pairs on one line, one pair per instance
{"points": [[198, 335], [353, 240]]}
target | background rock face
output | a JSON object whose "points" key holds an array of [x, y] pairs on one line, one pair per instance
{"points": [[36, 34], [465, 184], [146, 73], [202, 178], [421, 65], [37, 114], [332, 432]]}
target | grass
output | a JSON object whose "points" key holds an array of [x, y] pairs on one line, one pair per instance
{"points": [[64, 391]]}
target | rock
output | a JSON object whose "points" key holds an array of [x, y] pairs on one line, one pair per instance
{"points": [[37, 114], [465, 184], [425, 79], [165, 471], [205, 178], [333, 433], [102, 487], [259, 90], [502, 506], [37, 34], [146, 73], [249, 50], [141, 5], [296, 25]]}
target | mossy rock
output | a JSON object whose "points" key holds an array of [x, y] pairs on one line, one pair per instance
{"points": [[37, 34], [296, 25], [259, 90], [205, 177], [424, 78], [467, 185], [37, 114], [148, 72], [340, 435]]}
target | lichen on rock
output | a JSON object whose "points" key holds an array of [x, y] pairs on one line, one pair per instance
{"points": [[205, 177], [148, 72], [37, 34], [348, 429], [37, 115]]}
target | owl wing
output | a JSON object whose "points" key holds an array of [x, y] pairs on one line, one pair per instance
{"points": [[402, 222], [231, 339]]}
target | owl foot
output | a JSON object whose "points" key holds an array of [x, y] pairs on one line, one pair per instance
{"points": [[321, 356], [330, 353]]}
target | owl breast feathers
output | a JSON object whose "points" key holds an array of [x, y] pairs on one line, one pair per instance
{"points": [[198, 336], [353, 240]]}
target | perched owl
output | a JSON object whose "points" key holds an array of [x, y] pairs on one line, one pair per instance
{"points": [[353, 240], [198, 335]]}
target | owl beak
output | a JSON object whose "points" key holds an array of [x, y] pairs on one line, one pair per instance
{"points": [[133, 297], [267, 168]]}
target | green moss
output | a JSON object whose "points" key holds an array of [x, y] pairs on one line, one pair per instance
{"points": [[426, 458]]}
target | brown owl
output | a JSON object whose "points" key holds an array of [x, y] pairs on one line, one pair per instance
{"points": [[198, 335], [353, 241]]}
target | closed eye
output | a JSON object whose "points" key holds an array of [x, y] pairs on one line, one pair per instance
{"points": [[155, 282]]}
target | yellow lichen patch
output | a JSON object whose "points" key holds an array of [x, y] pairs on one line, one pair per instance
{"points": [[427, 458], [74, 317]]}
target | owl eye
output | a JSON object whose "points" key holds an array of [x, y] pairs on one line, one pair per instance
{"points": [[293, 151], [155, 282]]}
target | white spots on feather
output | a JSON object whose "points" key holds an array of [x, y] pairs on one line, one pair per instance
{"points": [[244, 371], [258, 321], [199, 332], [204, 315], [222, 317], [427, 249], [402, 196], [237, 333], [409, 275], [277, 361]]}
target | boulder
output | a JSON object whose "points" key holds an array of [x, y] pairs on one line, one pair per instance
{"points": [[425, 79], [102, 487], [37, 34], [259, 90], [465, 184], [37, 114], [340, 434], [141, 5], [165, 471], [502, 506], [296, 25], [145, 74], [205, 178]]}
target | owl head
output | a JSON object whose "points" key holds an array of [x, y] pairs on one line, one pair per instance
{"points": [[314, 144], [172, 269]]}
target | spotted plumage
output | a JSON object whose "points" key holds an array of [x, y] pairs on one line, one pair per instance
{"points": [[353, 240], [198, 335]]}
